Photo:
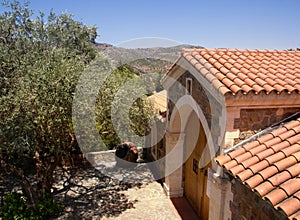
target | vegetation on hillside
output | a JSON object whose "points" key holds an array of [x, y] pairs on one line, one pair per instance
{"points": [[121, 56]]}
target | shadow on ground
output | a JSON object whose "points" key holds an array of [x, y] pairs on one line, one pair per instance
{"points": [[86, 193], [184, 209]]}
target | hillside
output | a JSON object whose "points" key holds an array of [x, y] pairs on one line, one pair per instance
{"points": [[146, 60]]}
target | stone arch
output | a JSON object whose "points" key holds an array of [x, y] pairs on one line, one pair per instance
{"points": [[184, 108]]}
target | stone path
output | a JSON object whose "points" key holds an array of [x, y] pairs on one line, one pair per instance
{"points": [[150, 200], [151, 204]]}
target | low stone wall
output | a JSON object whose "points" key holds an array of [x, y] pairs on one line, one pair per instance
{"points": [[98, 157], [220, 196], [248, 205], [105, 157]]}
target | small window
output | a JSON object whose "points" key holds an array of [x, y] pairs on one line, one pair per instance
{"points": [[195, 166], [189, 86]]}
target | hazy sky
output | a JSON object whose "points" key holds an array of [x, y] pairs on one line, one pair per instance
{"points": [[253, 24]]}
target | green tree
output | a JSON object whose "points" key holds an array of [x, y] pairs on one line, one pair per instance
{"points": [[41, 59], [140, 110]]}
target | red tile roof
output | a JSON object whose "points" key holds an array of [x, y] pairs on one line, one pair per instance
{"points": [[245, 71], [270, 166]]}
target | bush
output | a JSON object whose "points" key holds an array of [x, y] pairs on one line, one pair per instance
{"points": [[15, 207]]}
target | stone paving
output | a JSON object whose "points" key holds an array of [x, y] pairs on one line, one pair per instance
{"points": [[151, 204], [150, 199]]}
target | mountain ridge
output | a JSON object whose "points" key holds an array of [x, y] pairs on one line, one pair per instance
{"points": [[144, 60]]}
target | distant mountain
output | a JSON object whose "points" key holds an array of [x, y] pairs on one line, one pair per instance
{"points": [[144, 60], [121, 55], [150, 65]]}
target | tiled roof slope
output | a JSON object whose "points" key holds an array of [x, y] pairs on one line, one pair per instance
{"points": [[244, 71], [270, 166]]}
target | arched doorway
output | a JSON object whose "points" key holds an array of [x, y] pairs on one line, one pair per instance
{"points": [[195, 178], [189, 130]]}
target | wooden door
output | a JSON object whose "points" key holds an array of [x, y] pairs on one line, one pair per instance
{"points": [[195, 179]]}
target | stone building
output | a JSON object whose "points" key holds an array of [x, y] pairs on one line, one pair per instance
{"points": [[264, 173], [216, 98]]}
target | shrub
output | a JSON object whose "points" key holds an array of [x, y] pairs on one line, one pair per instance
{"points": [[15, 207]]}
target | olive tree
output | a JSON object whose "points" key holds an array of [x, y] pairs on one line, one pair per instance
{"points": [[111, 104], [41, 58]]}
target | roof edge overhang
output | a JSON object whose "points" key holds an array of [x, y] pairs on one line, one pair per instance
{"points": [[182, 66], [263, 100], [222, 93]]}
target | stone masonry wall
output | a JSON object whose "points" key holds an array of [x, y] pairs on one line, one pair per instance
{"points": [[209, 105], [248, 205], [198, 94], [255, 119]]}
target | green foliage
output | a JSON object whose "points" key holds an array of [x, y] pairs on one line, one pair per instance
{"points": [[14, 207], [41, 59], [139, 114]]}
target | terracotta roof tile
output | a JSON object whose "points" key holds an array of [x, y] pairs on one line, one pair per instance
{"points": [[276, 196], [254, 181], [265, 153], [265, 138], [289, 206], [235, 88], [264, 188], [251, 145], [275, 157], [279, 131], [244, 175], [287, 134], [237, 169], [279, 178], [295, 216], [272, 141], [242, 76], [239, 82], [222, 159], [259, 166], [296, 129], [290, 150], [292, 124], [280, 146], [271, 70], [297, 195], [291, 186], [236, 153], [296, 156], [258, 149], [223, 90], [268, 172], [247, 163], [270, 166], [285, 163], [230, 164], [294, 170], [294, 139], [243, 157]]}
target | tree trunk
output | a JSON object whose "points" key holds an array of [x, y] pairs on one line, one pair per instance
{"points": [[25, 183], [45, 167]]}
